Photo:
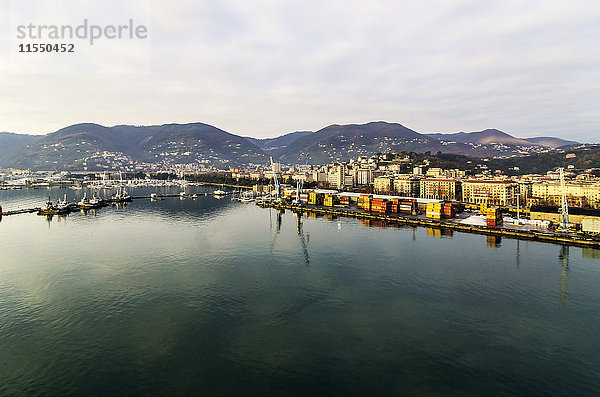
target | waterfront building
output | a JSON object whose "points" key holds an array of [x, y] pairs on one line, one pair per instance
{"points": [[440, 189], [406, 185], [579, 194], [490, 192], [383, 184]]}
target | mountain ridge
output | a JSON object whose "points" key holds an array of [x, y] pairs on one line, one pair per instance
{"points": [[89, 145]]}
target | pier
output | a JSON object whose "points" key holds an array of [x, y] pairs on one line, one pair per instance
{"points": [[72, 207], [548, 237]]}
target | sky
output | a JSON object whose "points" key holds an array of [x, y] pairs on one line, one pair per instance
{"points": [[263, 68]]}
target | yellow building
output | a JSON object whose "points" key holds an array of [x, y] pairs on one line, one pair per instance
{"points": [[382, 184], [440, 189], [501, 193], [407, 185], [579, 194]]}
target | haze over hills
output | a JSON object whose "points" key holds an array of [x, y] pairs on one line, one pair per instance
{"points": [[95, 147]]}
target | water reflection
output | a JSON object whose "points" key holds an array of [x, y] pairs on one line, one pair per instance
{"points": [[563, 257], [277, 226], [439, 233], [494, 241], [586, 252], [303, 242], [304, 239]]}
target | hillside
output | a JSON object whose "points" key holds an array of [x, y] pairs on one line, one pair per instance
{"points": [[581, 158], [344, 142], [276, 146], [96, 147], [494, 136], [550, 142], [93, 146], [10, 143], [584, 158]]}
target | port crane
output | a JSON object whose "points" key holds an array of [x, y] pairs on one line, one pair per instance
{"points": [[300, 183], [564, 205], [275, 180]]}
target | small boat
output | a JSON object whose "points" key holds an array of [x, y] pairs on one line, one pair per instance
{"points": [[60, 208], [121, 197], [63, 206], [154, 197], [87, 204], [219, 192], [49, 210]]}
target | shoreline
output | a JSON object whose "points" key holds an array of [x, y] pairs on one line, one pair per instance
{"points": [[547, 237]]}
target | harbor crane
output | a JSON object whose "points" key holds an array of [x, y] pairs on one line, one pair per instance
{"points": [[275, 181], [564, 205], [300, 183]]}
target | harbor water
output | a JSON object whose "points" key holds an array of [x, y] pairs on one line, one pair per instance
{"points": [[214, 297]]}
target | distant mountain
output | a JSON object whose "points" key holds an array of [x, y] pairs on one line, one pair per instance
{"points": [[10, 143], [488, 136], [95, 147], [494, 136], [343, 142], [275, 146], [550, 142]]}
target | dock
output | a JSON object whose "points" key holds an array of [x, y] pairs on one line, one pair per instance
{"points": [[105, 202], [548, 237]]}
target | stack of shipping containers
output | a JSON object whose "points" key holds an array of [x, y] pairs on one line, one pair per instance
{"points": [[449, 210], [434, 210], [408, 207], [315, 198], [344, 200], [394, 209], [364, 202], [380, 205], [330, 200], [494, 217]]}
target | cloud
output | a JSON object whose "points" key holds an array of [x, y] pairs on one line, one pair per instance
{"points": [[267, 67]]}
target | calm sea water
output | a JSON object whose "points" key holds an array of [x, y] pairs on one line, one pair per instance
{"points": [[212, 297]]}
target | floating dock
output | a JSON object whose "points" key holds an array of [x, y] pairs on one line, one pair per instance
{"points": [[548, 237]]}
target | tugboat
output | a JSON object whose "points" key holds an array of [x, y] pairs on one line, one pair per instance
{"points": [[61, 208], [49, 210], [121, 197], [87, 204]]}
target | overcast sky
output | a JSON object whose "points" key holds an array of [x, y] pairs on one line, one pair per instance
{"points": [[266, 67]]}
